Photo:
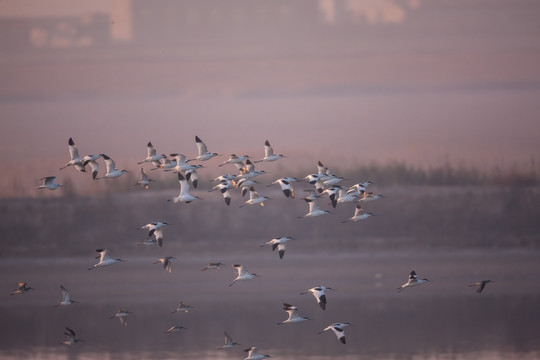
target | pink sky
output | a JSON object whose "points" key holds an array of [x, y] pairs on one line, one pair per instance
{"points": [[342, 81]]}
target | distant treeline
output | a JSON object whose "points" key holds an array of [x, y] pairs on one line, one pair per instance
{"points": [[448, 174]]}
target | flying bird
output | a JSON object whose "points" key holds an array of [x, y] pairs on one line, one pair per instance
{"points": [[286, 187], [480, 285], [253, 354], [144, 181], [269, 153], [293, 314], [112, 171], [174, 329], [122, 315], [92, 161], [152, 157], [182, 307], [255, 199], [204, 154], [166, 261], [337, 328], [72, 339], [229, 343], [75, 159], [243, 274], [21, 289], [319, 294], [314, 209], [184, 195], [358, 214], [48, 183], [278, 243], [212, 265], [156, 229], [66, 298], [413, 281], [105, 259]]}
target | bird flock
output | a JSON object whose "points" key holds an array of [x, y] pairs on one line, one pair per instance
{"points": [[323, 183]]}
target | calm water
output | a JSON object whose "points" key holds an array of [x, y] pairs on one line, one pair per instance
{"points": [[442, 319]]}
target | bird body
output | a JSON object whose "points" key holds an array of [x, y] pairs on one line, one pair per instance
{"points": [[286, 187], [203, 150], [337, 329], [184, 195], [72, 339], [156, 229], [314, 209], [358, 214], [112, 171], [480, 285], [166, 261], [319, 294], [253, 354], [21, 289], [413, 281], [144, 181], [293, 314], [182, 307], [229, 343], [254, 198], [92, 161], [105, 259], [174, 329], [48, 183], [269, 153], [121, 315], [212, 265], [66, 298], [75, 159], [243, 274], [279, 244], [152, 155]]}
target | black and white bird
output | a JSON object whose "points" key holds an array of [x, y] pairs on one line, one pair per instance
{"points": [[293, 315], [243, 274], [212, 265], [253, 354], [112, 171], [182, 307], [144, 181], [269, 153], [359, 214], [204, 154], [413, 281], [75, 159], [105, 259], [155, 228], [184, 195], [314, 209], [152, 157], [279, 244], [337, 328], [319, 294], [286, 187], [92, 161]]}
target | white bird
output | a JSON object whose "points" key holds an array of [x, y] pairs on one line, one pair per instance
{"points": [[66, 298], [72, 339], [286, 187], [229, 343], [337, 328], [144, 181], [345, 196], [358, 214], [192, 176], [369, 196], [152, 155], [182, 164], [122, 315], [224, 187], [235, 159], [48, 183], [319, 294], [105, 259], [166, 261], [148, 242], [21, 289], [155, 228], [184, 195], [314, 209], [253, 354], [75, 158], [413, 281], [92, 161], [255, 199], [203, 151], [269, 153], [293, 314], [174, 329], [359, 188], [243, 274], [182, 307], [212, 265], [165, 164], [278, 243], [313, 178], [248, 170], [112, 171]]}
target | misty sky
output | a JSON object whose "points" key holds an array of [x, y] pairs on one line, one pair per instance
{"points": [[341, 81]]}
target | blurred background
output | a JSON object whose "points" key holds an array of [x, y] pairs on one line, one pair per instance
{"points": [[435, 102]]}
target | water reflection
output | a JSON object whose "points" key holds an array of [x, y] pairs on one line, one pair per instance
{"points": [[398, 328]]}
